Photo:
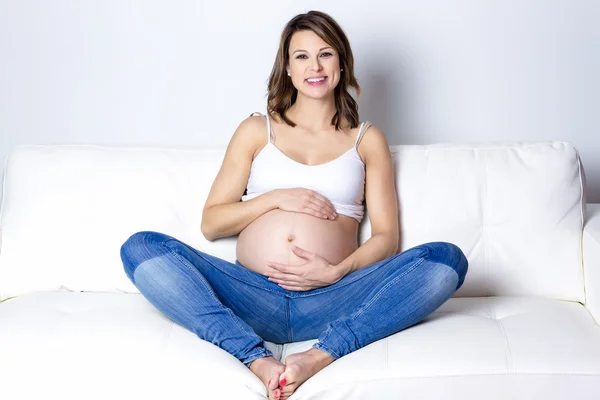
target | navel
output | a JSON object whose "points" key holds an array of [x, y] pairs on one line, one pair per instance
{"points": [[291, 238]]}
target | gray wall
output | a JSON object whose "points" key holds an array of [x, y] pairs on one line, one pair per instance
{"points": [[188, 71]]}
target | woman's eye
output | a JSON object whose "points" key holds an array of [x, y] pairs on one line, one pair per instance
{"points": [[300, 56], [326, 54]]}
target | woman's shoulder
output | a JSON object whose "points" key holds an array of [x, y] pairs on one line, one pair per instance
{"points": [[373, 142], [254, 123], [253, 127], [250, 135]]}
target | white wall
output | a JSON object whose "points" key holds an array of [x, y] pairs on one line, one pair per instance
{"points": [[187, 72]]}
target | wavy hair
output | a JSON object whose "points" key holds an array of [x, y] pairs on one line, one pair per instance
{"points": [[281, 92]]}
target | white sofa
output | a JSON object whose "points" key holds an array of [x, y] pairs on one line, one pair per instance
{"points": [[523, 326]]}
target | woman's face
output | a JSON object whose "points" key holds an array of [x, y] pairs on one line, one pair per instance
{"points": [[314, 65]]}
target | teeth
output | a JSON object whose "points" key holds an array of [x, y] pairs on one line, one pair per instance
{"points": [[315, 79]]}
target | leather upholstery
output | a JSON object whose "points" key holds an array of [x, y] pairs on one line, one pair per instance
{"points": [[521, 326]]}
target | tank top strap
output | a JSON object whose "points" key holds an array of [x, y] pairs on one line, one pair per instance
{"points": [[268, 120], [363, 127], [268, 128]]}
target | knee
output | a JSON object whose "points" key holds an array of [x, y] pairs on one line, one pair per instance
{"points": [[140, 247], [450, 255]]}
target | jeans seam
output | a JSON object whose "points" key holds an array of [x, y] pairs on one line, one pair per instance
{"points": [[327, 349], [383, 289], [287, 320], [327, 333], [193, 270], [224, 272], [261, 354]]}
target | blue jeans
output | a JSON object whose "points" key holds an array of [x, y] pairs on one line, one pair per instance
{"points": [[237, 309]]}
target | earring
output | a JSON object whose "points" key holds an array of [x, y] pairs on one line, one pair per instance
{"points": [[289, 74], [341, 70]]}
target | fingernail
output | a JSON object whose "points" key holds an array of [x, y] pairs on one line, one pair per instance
{"points": [[282, 382]]}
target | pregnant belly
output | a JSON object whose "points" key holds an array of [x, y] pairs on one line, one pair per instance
{"points": [[271, 237]]}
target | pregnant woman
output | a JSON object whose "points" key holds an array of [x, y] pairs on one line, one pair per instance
{"points": [[303, 173]]}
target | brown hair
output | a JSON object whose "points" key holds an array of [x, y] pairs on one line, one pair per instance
{"points": [[282, 93]]}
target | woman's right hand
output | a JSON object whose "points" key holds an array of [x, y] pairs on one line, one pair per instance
{"points": [[304, 201]]}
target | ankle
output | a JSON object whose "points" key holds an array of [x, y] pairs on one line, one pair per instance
{"points": [[320, 355], [261, 361]]}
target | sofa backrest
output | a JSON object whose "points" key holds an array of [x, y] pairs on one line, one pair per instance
{"points": [[515, 209]]}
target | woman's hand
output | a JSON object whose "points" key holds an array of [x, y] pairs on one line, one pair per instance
{"points": [[305, 201], [313, 274]]}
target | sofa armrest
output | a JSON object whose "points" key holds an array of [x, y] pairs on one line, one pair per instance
{"points": [[591, 259]]}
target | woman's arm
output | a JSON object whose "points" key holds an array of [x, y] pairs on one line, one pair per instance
{"points": [[224, 214], [382, 202]]}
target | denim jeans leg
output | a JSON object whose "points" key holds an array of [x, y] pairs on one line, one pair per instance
{"points": [[176, 279], [381, 299]]}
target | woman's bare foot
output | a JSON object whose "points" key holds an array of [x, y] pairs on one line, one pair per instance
{"points": [[301, 366], [268, 370]]}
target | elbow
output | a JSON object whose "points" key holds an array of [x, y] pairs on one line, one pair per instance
{"points": [[207, 230], [393, 243], [207, 234]]}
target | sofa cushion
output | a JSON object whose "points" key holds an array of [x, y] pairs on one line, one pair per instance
{"points": [[118, 343], [515, 209]]}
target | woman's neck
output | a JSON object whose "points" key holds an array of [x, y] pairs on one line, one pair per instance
{"points": [[312, 114]]}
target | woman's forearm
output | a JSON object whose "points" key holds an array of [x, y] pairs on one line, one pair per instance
{"points": [[224, 220], [379, 247]]}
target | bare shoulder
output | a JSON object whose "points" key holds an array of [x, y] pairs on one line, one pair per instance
{"points": [[373, 145], [249, 137], [252, 130]]}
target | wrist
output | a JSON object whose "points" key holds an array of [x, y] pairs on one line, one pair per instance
{"points": [[344, 269], [273, 199]]}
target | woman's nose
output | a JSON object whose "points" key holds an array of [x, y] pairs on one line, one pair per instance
{"points": [[316, 65]]}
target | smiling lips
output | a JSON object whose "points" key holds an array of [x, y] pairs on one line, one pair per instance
{"points": [[316, 81]]}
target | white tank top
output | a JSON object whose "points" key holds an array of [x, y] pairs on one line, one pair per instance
{"points": [[341, 180]]}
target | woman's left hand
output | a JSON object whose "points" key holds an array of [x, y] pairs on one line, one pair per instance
{"points": [[313, 274]]}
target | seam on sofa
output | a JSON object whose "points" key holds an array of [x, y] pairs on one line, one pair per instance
{"points": [[509, 363], [4, 174], [465, 375], [484, 200], [8, 298], [466, 145], [3, 199], [177, 148], [481, 145], [386, 352], [326, 388], [168, 339], [582, 197], [514, 373]]}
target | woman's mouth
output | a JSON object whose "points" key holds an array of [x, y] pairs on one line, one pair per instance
{"points": [[316, 81]]}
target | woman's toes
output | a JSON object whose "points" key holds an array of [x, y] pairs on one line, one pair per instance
{"points": [[273, 384], [286, 392]]}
